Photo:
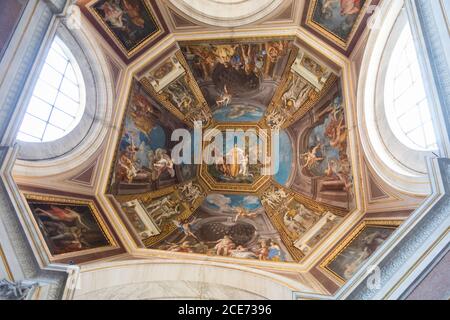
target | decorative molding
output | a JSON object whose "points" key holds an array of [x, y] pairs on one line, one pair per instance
{"points": [[17, 247], [103, 29], [433, 46], [343, 45], [16, 290], [401, 251], [86, 177], [181, 22], [227, 14]]}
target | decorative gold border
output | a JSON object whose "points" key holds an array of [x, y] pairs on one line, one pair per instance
{"points": [[347, 241], [112, 166], [215, 186], [30, 197], [218, 40], [191, 83], [188, 208], [282, 88], [275, 216], [318, 206], [342, 43], [107, 29], [310, 103]]}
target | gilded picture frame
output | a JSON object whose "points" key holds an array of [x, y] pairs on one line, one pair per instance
{"points": [[131, 52], [334, 38], [36, 200], [349, 240]]}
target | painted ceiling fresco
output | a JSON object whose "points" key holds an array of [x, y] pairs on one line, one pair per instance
{"points": [[143, 160], [238, 79], [280, 102], [130, 26], [275, 190], [338, 22]]}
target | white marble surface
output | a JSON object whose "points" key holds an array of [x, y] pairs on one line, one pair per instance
{"points": [[164, 290], [142, 279], [227, 13]]}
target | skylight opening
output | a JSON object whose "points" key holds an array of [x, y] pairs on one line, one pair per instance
{"points": [[58, 99], [407, 106]]}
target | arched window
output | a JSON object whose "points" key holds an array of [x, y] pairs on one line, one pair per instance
{"points": [[406, 102], [396, 102], [58, 99]]}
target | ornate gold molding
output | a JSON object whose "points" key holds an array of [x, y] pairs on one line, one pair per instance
{"points": [[324, 265]]}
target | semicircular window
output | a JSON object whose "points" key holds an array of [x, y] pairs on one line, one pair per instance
{"points": [[58, 99], [407, 108]]}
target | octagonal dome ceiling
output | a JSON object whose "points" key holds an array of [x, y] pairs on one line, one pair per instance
{"points": [[235, 148], [223, 145]]}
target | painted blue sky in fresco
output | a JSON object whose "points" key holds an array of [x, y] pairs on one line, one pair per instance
{"points": [[284, 159], [146, 142], [229, 202], [238, 113]]}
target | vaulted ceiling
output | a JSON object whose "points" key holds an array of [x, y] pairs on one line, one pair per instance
{"points": [[287, 72]]}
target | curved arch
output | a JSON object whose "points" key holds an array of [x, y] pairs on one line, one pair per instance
{"points": [[191, 279], [58, 100], [227, 13], [371, 113], [74, 149]]}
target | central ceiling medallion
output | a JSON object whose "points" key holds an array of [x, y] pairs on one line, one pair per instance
{"points": [[237, 158]]}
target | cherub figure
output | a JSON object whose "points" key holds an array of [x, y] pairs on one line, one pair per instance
{"points": [[244, 213], [113, 14], [310, 158], [224, 99], [186, 227]]}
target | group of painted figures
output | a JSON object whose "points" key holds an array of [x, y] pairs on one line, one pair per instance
{"points": [[234, 69], [138, 162], [264, 250], [327, 155]]}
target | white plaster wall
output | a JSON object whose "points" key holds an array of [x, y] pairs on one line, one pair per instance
{"points": [[141, 279], [227, 13]]}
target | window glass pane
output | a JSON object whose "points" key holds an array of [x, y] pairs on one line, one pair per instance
{"points": [[404, 103], [70, 90], [429, 135], [52, 133], [39, 108], [404, 85], [417, 136], [59, 50], [410, 120], [60, 119], [70, 74], [33, 126], [56, 61], [402, 82], [51, 76], [66, 104], [424, 111], [55, 106], [25, 137], [45, 92]]}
